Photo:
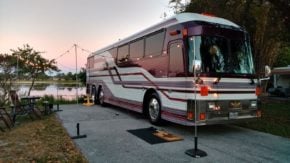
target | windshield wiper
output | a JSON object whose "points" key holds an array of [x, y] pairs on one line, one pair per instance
{"points": [[252, 81], [217, 80]]}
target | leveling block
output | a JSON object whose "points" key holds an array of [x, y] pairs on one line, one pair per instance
{"points": [[88, 101], [78, 133], [153, 136]]}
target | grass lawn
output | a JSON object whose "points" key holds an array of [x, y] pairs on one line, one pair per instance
{"points": [[275, 119], [42, 140]]}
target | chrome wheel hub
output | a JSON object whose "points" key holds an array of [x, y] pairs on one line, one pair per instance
{"points": [[101, 97], [154, 109]]}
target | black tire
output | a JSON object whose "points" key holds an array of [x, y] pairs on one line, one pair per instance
{"points": [[101, 97], [95, 95], [153, 109]]}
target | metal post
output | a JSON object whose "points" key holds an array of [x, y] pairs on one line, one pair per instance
{"points": [[78, 129], [78, 136], [75, 45], [195, 152], [17, 66]]}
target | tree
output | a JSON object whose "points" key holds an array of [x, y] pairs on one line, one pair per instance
{"points": [[7, 76], [284, 57], [177, 5], [82, 76], [32, 64], [70, 76]]}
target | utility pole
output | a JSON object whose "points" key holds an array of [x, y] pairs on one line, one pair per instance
{"points": [[17, 68], [77, 86]]}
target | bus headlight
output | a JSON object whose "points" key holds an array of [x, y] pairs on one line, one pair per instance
{"points": [[253, 104], [212, 106]]}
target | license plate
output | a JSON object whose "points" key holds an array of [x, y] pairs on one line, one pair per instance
{"points": [[233, 115]]}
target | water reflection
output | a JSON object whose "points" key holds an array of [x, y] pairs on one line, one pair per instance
{"points": [[65, 91]]}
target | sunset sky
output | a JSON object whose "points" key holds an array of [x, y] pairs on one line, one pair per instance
{"points": [[53, 26]]}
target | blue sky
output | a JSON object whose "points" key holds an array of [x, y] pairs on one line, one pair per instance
{"points": [[53, 26]]}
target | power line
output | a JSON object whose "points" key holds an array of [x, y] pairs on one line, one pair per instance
{"points": [[75, 46], [66, 52], [67, 67], [85, 50]]}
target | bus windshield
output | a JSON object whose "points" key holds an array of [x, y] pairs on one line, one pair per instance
{"points": [[220, 55]]}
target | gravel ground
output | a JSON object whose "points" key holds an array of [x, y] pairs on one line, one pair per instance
{"points": [[108, 140]]}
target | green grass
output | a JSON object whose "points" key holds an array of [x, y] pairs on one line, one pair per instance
{"points": [[275, 119], [38, 140]]}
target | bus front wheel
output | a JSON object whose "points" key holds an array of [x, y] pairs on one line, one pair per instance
{"points": [[154, 109]]}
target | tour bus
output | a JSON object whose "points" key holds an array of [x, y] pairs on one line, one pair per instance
{"points": [[191, 69]]}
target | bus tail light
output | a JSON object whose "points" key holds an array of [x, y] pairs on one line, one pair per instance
{"points": [[202, 116], [190, 115], [204, 90]]}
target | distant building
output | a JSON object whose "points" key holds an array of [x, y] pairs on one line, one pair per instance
{"points": [[280, 81]]}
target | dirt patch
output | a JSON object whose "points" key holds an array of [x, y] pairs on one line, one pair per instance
{"points": [[42, 140]]}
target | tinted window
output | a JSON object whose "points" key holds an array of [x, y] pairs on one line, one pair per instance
{"points": [[123, 53], [113, 52], [90, 62], [176, 67], [137, 49], [154, 44]]}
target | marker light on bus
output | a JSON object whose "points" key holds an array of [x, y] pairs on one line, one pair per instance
{"points": [[207, 14], [184, 32], [204, 90], [258, 91], [215, 95], [173, 33]]}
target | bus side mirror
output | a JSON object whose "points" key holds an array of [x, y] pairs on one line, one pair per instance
{"points": [[267, 71], [267, 74]]}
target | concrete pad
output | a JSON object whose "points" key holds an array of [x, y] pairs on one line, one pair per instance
{"points": [[108, 140]]}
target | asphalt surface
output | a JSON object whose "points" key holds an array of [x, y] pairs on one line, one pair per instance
{"points": [[108, 140]]}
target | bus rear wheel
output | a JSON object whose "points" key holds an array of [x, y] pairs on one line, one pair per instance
{"points": [[95, 96], [154, 109]]}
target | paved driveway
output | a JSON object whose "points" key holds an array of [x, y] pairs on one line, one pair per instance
{"points": [[108, 140]]}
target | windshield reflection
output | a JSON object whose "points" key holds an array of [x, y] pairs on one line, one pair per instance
{"points": [[220, 55]]}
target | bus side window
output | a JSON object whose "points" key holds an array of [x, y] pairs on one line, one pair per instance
{"points": [[176, 63], [137, 49], [154, 44], [123, 54], [113, 52]]}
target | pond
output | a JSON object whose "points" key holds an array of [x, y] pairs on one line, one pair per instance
{"points": [[65, 91]]}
